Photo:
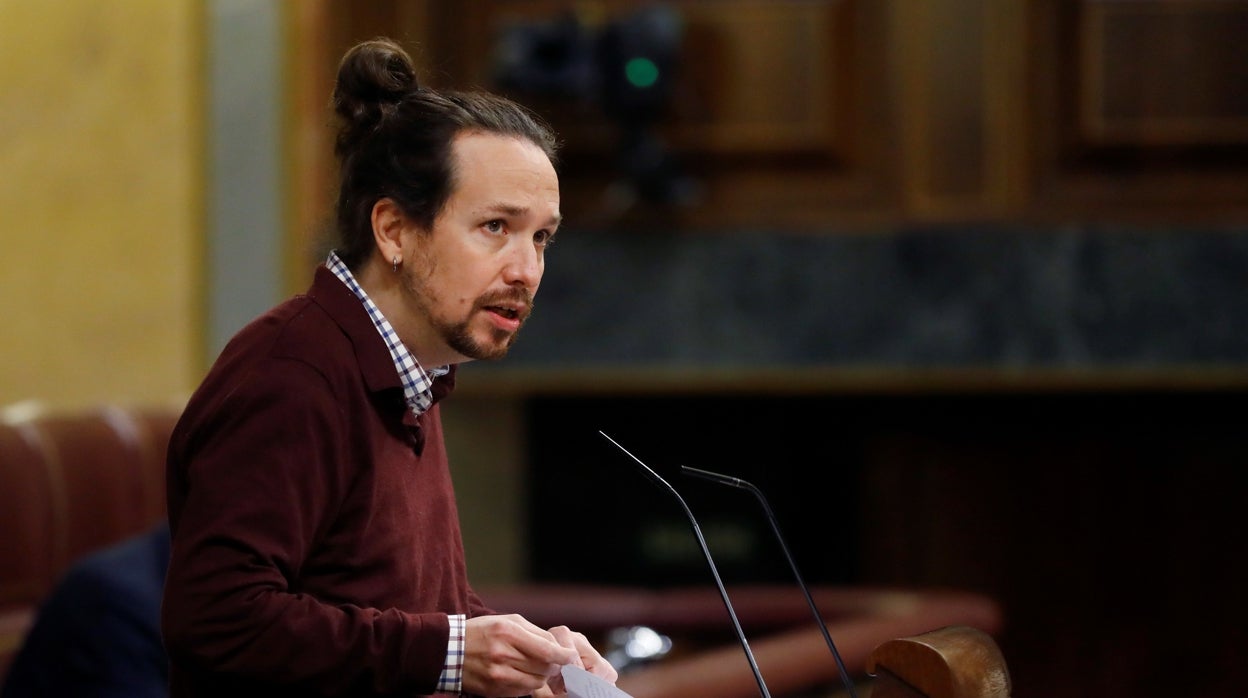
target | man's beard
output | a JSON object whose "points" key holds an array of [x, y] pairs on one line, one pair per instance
{"points": [[458, 335]]}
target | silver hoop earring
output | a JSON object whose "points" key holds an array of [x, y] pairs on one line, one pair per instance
{"points": [[395, 263]]}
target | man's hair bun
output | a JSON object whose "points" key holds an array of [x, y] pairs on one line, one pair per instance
{"points": [[373, 78]]}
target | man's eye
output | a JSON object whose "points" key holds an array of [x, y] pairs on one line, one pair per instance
{"points": [[544, 238], [495, 226]]}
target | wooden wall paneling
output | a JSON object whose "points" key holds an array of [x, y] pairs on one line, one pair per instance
{"points": [[1164, 73], [773, 113], [1139, 110], [937, 58], [818, 150], [761, 78], [959, 65], [1007, 49]]}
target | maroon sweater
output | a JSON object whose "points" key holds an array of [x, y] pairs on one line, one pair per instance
{"points": [[316, 545]]}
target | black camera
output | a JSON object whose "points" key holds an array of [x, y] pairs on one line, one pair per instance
{"points": [[627, 65]]}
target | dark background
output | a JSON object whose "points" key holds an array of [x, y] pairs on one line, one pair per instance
{"points": [[1109, 526]]}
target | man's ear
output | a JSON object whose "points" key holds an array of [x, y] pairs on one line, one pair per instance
{"points": [[388, 224]]}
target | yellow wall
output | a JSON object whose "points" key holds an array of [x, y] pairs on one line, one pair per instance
{"points": [[100, 200]]}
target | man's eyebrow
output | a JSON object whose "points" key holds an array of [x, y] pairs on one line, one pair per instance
{"points": [[517, 211]]}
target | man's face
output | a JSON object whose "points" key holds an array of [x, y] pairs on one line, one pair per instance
{"points": [[469, 283]]}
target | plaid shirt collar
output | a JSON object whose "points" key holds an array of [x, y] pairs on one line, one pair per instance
{"points": [[417, 383]]}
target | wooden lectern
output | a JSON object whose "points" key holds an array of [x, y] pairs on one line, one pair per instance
{"points": [[953, 662]]}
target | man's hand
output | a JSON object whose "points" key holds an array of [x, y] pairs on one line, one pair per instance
{"points": [[588, 657], [509, 656]]}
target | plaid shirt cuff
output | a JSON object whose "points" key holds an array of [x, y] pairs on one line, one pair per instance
{"points": [[452, 678]]}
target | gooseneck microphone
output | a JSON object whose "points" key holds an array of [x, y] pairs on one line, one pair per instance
{"points": [[745, 645], [775, 527]]}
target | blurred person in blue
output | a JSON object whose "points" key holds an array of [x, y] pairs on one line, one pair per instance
{"points": [[97, 634]]}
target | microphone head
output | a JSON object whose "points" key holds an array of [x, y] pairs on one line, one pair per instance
{"points": [[714, 477]]}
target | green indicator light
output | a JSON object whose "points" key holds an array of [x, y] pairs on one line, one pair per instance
{"points": [[641, 72]]}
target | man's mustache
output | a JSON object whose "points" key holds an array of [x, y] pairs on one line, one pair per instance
{"points": [[512, 297]]}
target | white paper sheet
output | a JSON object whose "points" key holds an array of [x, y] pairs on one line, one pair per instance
{"points": [[582, 684]]}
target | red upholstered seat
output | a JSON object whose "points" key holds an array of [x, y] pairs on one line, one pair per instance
{"points": [[70, 483]]}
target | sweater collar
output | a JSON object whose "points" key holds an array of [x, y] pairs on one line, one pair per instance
{"points": [[382, 369]]}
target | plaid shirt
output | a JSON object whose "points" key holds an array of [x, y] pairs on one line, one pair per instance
{"points": [[417, 391], [416, 381]]}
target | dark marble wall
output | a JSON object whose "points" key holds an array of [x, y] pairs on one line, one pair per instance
{"points": [[982, 296]]}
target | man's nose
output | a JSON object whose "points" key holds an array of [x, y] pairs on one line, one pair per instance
{"points": [[524, 267]]}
